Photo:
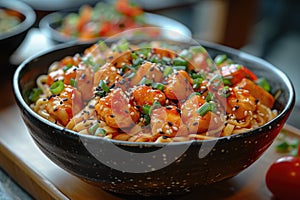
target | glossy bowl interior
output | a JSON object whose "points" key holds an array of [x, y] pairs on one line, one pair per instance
{"points": [[159, 169], [51, 22], [11, 40]]}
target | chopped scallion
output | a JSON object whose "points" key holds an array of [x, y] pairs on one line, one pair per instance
{"points": [[209, 97], [34, 94], [93, 128], [158, 86], [262, 82], [167, 71], [73, 82], [100, 132], [104, 87], [219, 59], [145, 81], [68, 66], [166, 60], [197, 82], [138, 61], [57, 87], [146, 109], [179, 67], [179, 62], [206, 107]]}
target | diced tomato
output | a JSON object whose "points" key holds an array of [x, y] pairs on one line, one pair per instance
{"points": [[235, 73], [85, 16], [124, 7]]}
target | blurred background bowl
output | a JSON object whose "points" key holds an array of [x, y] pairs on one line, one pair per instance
{"points": [[50, 23], [10, 40], [225, 158]]}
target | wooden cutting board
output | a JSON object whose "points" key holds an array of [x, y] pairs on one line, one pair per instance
{"points": [[32, 170]]}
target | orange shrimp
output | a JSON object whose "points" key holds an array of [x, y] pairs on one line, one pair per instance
{"points": [[240, 102], [258, 92], [166, 121], [148, 70], [65, 74], [194, 121], [116, 110], [108, 73], [60, 107], [145, 95], [199, 61], [179, 86]]}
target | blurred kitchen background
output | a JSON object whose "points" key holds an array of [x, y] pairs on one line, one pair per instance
{"points": [[269, 29]]}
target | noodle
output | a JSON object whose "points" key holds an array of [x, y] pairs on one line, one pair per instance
{"points": [[155, 94]]}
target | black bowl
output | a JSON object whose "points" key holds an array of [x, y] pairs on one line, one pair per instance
{"points": [[151, 168], [11, 40]]}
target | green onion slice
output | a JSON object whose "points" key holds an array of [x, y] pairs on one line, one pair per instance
{"points": [[262, 82], [34, 94], [180, 67], [145, 81], [137, 61], [158, 86], [197, 82], [93, 128], [167, 71], [209, 97], [206, 107], [104, 87], [73, 82], [219, 59], [146, 109], [180, 62], [225, 92], [100, 132], [57, 87], [68, 66]]}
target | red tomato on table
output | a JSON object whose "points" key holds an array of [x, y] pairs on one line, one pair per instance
{"points": [[283, 178]]}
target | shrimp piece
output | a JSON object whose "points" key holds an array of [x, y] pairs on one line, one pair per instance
{"points": [[258, 92], [194, 121], [166, 121], [148, 70], [145, 95], [108, 73], [240, 102], [60, 106], [163, 52], [116, 110], [119, 59], [199, 61], [179, 86]]}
